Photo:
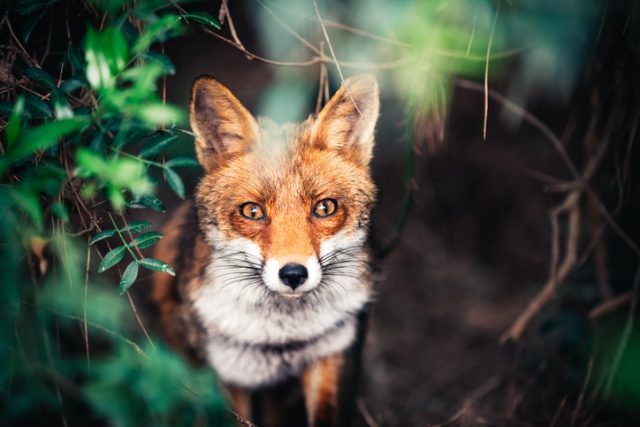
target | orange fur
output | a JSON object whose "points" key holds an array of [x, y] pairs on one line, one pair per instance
{"points": [[320, 383]]}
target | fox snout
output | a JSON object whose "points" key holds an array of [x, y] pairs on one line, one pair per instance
{"points": [[294, 277]]}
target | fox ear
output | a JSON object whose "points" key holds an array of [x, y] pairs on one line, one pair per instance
{"points": [[347, 123], [221, 124]]}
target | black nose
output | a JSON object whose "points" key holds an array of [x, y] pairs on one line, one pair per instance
{"points": [[293, 275]]}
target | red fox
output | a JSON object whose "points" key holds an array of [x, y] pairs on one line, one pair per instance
{"points": [[272, 269]]}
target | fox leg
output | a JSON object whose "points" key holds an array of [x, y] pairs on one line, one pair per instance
{"points": [[320, 383], [241, 400]]}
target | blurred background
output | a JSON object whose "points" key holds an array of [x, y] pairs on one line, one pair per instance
{"points": [[505, 231]]}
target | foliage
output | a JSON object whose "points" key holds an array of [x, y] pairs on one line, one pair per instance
{"points": [[84, 132]]}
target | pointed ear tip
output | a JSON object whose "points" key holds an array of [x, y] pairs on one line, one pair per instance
{"points": [[363, 84], [203, 79], [208, 83], [364, 80]]}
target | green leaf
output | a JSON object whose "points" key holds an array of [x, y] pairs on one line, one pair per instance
{"points": [[163, 60], [136, 227], [177, 162], [28, 202], [46, 135], [14, 126], [128, 277], [175, 182], [31, 24], [26, 7], [202, 18], [41, 77], [159, 30], [61, 105], [71, 85], [91, 163], [147, 201], [75, 60], [158, 113], [116, 198], [158, 143], [147, 239], [157, 265], [105, 234], [107, 55], [37, 107], [129, 31], [111, 258], [60, 210]]}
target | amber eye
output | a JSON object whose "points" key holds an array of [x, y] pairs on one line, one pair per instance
{"points": [[252, 211], [325, 208]]}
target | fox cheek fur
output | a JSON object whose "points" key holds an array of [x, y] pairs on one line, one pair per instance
{"points": [[279, 271]]}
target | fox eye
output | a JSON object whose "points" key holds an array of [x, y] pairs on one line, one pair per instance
{"points": [[252, 211], [325, 208]]}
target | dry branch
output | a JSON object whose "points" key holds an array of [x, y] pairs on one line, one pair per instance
{"points": [[571, 206]]}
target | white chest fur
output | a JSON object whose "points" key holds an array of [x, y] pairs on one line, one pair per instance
{"points": [[257, 337], [252, 366]]}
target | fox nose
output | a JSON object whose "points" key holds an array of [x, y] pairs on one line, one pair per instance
{"points": [[293, 275]]}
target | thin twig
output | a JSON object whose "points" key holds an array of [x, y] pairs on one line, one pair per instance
{"points": [[554, 420], [322, 83], [333, 55], [315, 60], [583, 392], [368, 418], [232, 28], [85, 330], [240, 419], [486, 74], [556, 274], [291, 30]]}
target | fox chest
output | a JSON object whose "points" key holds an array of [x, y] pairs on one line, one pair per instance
{"points": [[253, 365]]}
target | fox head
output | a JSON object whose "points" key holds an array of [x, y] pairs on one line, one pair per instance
{"points": [[286, 208]]}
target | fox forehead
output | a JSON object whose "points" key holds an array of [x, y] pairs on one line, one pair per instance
{"points": [[283, 165]]}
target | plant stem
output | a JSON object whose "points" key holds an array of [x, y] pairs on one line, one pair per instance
{"points": [[122, 238]]}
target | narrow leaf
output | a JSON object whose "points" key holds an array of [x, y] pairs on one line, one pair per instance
{"points": [[147, 239], [128, 277], [182, 161], [31, 24], [157, 31], [147, 201], [157, 144], [101, 236], [157, 265], [14, 127], [175, 182], [159, 113], [202, 18], [37, 107], [41, 77], [163, 60], [60, 210], [46, 135], [111, 258], [28, 202], [106, 54], [136, 227], [71, 84]]}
